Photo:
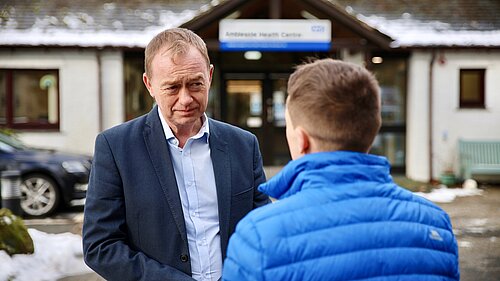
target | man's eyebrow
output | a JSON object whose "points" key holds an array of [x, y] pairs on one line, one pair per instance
{"points": [[169, 82], [196, 77]]}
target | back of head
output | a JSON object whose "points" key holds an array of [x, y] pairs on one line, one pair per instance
{"points": [[337, 103], [175, 40]]}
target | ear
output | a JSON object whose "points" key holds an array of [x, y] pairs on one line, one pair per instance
{"points": [[211, 73], [147, 83], [303, 140]]}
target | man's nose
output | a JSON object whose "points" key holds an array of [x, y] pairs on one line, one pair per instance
{"points": [[185, 97]]}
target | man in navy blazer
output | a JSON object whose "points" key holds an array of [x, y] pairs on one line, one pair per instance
{"points": [[167, 189]]}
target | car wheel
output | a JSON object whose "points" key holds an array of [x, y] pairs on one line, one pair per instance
{"points": [[40, 195]]}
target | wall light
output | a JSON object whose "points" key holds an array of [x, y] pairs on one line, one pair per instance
{"points": [[377, 60], [253, 55]]}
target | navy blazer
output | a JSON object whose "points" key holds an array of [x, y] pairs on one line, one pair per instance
{"points": [[133, 224]]}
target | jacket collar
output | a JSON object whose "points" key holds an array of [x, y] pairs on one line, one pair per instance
{"points": [[333, 167], [159, 154], [222, 172]]}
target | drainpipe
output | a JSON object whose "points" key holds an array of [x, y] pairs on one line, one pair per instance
{"points": [[430, 126], [99, 90]]}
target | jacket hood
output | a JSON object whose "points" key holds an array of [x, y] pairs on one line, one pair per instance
{"points": [[337, 166]]}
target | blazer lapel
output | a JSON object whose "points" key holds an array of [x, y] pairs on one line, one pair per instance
{"points": [[222, 172], [159, 153]]}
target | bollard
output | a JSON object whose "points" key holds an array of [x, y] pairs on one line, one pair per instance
{"points": [[10, 186]]}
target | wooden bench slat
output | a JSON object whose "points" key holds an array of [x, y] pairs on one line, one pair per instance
{"points": [[479, 158]]}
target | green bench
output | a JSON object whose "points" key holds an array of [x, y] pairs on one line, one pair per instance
{"points": [[479, 160]]}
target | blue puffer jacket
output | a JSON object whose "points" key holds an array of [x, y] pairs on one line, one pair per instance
{"points": [[341, 217]]}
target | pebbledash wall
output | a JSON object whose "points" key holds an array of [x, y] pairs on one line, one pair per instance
{"points": [[449, 122], [91, 93]]}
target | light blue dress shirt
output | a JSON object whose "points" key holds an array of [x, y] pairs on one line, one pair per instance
{"points": [[195, 177]]}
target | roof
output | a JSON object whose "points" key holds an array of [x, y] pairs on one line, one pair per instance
{"points": [[132, 23], [426, 23], [347, 30], [92, 23]]}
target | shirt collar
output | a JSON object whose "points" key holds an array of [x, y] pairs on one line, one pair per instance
{"points": [[204, 131]]}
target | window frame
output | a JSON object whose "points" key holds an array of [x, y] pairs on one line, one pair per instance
{"points": [[480, 103], [9, 100]]}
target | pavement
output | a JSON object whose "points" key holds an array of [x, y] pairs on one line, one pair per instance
{"points": [[476, 224], [475, 219]]}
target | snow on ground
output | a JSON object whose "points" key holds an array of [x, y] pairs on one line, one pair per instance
{"points": [[56, 256], [443, 194]]}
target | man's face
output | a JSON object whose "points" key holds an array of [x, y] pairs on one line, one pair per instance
{"points": [[180, 86]]}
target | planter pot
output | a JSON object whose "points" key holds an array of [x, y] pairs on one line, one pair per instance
{"points": [[447, 179]]}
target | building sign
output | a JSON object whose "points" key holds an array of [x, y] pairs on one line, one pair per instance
{"points": [[274, 35]]}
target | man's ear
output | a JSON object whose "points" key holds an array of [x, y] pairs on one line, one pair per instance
{"points": [[303, 140], [147, 83], [211, 72]]}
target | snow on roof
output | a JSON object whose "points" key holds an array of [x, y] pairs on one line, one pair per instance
{"points": [[430, 23], [408, 32], [92, 23], [131, 23], [77, 35]]}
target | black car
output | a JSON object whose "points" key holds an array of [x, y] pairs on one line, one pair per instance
{"points": [[49, 179]]}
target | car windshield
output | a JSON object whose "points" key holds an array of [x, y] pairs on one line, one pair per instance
{"points": [[11, 141]]}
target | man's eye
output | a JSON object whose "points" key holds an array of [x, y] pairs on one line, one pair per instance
{"points": [[196, 85], [170, 89]]}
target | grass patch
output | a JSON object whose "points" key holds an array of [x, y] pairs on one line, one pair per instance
{"points": [[412, 185]]}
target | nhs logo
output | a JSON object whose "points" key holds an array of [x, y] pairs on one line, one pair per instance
{"points": [[318, 28]]}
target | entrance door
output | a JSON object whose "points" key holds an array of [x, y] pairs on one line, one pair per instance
{"points": [[256, 102]]}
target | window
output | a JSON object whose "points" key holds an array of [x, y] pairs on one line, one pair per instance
{"points": [[472, 88], [29, 99], [391, 72], [137, 98], [391, 75], [391, 145]]}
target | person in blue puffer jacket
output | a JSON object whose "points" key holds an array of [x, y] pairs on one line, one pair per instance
{"points": [[339, 215]]}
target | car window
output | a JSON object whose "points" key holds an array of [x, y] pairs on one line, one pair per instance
{"points": [[12, 142], [5, 147]]}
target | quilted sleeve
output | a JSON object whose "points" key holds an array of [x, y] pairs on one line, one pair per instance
{"points": [[244, 254]]}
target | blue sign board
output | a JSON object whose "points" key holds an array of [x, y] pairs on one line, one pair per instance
{"points": [[275, 35]]}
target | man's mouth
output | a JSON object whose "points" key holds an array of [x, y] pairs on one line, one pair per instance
{"points": [[186, 111]]}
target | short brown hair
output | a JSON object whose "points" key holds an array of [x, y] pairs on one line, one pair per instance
{"points": [[176, 40], [337, 103]]}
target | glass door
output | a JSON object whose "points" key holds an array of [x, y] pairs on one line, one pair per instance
{"points": [[276, 119], [244, 103], [256, 102], [391, 140]]}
